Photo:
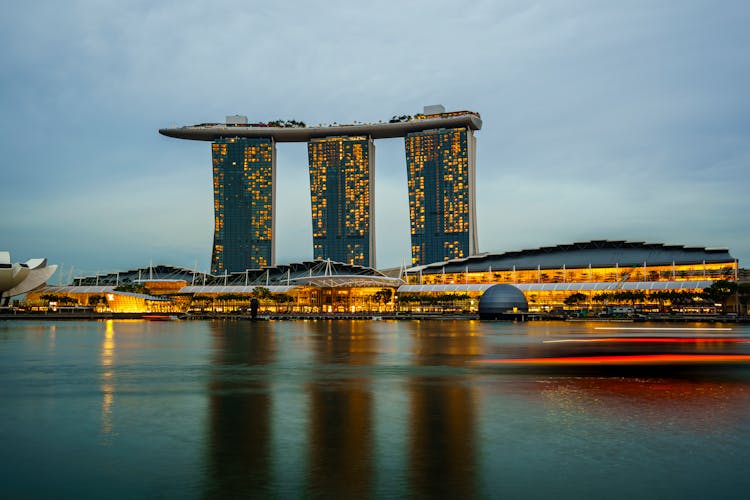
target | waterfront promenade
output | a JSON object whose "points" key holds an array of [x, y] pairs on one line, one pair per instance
{"points": [[294, 316]]}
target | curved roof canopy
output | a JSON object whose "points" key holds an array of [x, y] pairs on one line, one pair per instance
{"points": [[596, 253], [324, 273], [344, 280], [213, 131]]}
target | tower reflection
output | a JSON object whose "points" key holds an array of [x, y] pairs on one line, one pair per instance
{"points": [[240, 410], [443, 413], [341, 406]]}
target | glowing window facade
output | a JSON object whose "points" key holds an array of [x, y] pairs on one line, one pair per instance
{"points": [[342, 199], [244, 172], [441, 179]]}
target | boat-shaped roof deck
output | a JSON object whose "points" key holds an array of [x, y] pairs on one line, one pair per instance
{"points": [[213, 131]]}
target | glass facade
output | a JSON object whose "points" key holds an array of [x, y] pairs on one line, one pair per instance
{"points": [[342, 199], [244, 171], [615, 273], [441, 176]]}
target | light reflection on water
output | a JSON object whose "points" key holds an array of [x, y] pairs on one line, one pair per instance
{"points": [[357, 409], [107, 388]]}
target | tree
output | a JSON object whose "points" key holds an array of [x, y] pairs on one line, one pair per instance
{"points": [[94, 300], [575, 299], [60, 299], [743, 295], [383, 296], [281, 298], [720, 291]]}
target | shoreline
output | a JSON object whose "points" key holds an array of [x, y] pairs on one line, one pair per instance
{"points": [[49, 316]]}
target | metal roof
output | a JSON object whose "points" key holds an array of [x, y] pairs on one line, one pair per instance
{"points": [[564, 287], [79, 289], [343, 280], [158, 272], [443, 288], [282, 274], [595, 253], [238, 289], [611, 286], [102, 290]]}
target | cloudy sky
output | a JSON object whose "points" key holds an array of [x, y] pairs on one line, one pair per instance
{"points": [[602, 120]]}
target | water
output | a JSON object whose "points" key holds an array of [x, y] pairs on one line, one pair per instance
{"points": [[381, 409]]}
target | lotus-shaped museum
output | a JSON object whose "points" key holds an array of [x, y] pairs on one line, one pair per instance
{"points": [[17, 279]]}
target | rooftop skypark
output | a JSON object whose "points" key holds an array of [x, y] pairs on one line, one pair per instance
{"points": [[296, 131]]}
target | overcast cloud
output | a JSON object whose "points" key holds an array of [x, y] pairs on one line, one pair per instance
{"points": [[602, 120]]}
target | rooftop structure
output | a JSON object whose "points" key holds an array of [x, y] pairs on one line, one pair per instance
{"points": [[314, 273], [298, 133], [584, 255]]}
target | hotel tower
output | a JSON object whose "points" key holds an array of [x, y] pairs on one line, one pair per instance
{"points": [[441, 176], [440, 160], [244, 179], [342, 199]]}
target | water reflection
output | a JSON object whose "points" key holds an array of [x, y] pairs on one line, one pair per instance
{"points": [[442, 433], [449, 342], [686, 404], [364, 409], [240, 427], [52, 338], [107, 387], [340, 429]]}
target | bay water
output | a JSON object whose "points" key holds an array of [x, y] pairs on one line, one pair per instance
{"points": [[356, 409]]}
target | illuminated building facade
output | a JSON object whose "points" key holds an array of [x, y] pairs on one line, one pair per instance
{"points": [[342, 199], [601, 270], [441, 179], [244, 173], [601, 275]]}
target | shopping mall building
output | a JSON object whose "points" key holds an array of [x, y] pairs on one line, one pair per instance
{"points": [[595, 269], [644, 272]]}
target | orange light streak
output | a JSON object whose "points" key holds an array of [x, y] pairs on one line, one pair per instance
{"points": [[641, 359], [657, 340]]}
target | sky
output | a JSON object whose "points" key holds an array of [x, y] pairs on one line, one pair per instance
{"points": [[601, 120]]}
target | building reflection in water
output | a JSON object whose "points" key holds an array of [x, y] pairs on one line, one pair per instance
{"points": [[52, 338], [107, 387], [442, 436], [341, 406], [240, 427]]}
